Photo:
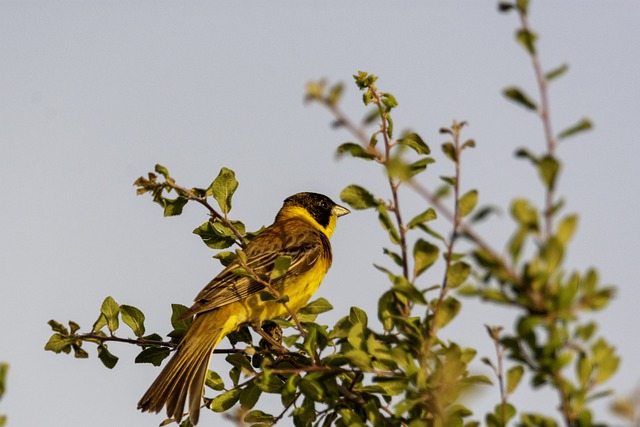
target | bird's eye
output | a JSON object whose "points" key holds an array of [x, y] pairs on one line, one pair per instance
{"points": [[324, 205]]}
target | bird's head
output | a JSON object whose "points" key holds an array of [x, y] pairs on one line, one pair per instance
{"points": [[320, 210]]}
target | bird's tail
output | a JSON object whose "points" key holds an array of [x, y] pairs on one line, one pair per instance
{"points": [[185, 374]]}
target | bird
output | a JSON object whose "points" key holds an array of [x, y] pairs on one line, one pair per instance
{"points": [[301, 230]]}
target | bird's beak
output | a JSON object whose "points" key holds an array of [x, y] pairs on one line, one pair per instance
{"points": [[340, 210]]}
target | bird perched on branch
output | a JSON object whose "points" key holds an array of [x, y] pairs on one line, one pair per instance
{"points": [[301, 231]]}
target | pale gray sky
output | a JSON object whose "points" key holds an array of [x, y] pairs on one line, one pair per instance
{"points": [[93, 94]]}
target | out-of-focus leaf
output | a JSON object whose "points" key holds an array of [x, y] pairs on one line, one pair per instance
{"points": [[424, 254], [556, 72], [450, 151], [566, 228], [355, 150], [428, 215], [414, 141], [582, 126], [514, 375], [548, 167], [457, 274], [527, 39], [467, 202], [358, 197], [519, 97]]}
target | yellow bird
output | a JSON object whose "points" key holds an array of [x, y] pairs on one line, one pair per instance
{"points": [[301, 230]]}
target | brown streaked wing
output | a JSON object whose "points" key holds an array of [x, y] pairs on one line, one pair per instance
{"points": [[304, 247]]}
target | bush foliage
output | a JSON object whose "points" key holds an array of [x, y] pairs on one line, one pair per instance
{"points": [[400, 371]]}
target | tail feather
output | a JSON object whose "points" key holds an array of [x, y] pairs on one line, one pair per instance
{"points": [[182, 379]]}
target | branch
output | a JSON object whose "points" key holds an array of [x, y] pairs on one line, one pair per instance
{"points": [[545, 117], [189, 194]]}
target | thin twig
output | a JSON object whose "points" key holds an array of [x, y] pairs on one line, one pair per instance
{"points": [[545, 117], [494, 333], [392, 184], [92, 337]]}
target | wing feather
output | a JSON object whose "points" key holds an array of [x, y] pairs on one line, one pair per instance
{"points": [[304, 246]]}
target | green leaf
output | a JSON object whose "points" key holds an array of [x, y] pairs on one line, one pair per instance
{"points": [[404, 287], [110, 309], [556, 72], [223, 187], [424, 254], [4, 368], [467, 202], [213, 381], [504, 6], [364, 80], [415, 142], [450, 151], [212, 237], [525, 214], [225, 401], [280, 267], [548, 168], [523, 153], [449, 308], [410, 170], [566, 228], [133, 318], [162, 171], [358, 197], [527, 39], [451, 180], [582, 126], [457, 274], [359, 358], [389, 101], [173, 207], [249, 396], [225, 257], [358, 316], [397, 259], [153, 355], [100, 323], [312, 389], [59, 343], [257, 416], [584, 369], [177, 321], [523, 6], [74, 327], [355, 150], [428, 215], [514, 375], [107, 359], [335, 92], [519, 97], [318, 306], [58, 327], [387, 224], [469, 143]]}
